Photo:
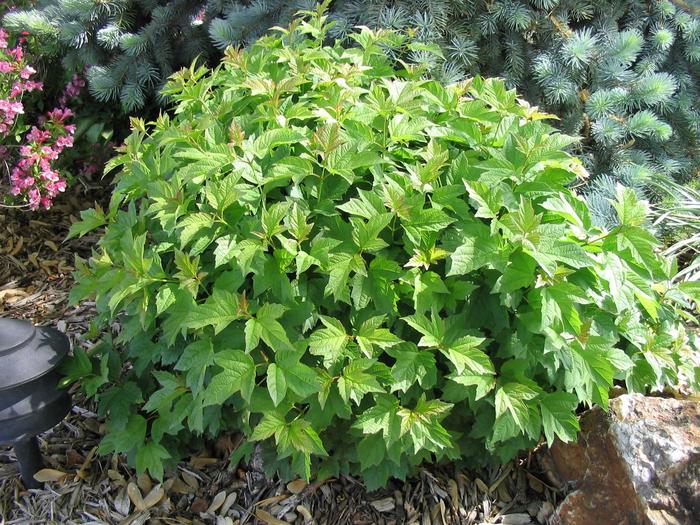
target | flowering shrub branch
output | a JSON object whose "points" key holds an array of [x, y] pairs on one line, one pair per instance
{"points": [[34, 178]]}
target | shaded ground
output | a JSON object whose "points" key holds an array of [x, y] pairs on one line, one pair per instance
{"points": [[83, 487]]}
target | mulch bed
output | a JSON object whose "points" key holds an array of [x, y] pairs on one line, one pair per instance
{"points": [[84, 487]]}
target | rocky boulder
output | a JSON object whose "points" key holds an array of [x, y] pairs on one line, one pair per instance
{"points": [[637, 464]]}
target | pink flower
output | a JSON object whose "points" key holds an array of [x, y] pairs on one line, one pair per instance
{"points": [[3, 38], [6, 67], [27, 71], [31, 85], [34, 198], [65, 142], [16, 53]]}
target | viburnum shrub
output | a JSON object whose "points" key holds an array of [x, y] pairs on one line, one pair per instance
{"points": [[361, 270], [30, 161]]}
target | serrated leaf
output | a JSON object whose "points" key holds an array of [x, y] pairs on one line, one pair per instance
{"points": [[464, 354], [630, 210], [276, 383], [370, 335], [412, 365], [355, 381], [273, 138], [301, 378], [195, 359], [381, 418], [520, 273], [225, 250], [422, 425], [559, 417], [265, 326], [301, 437], [513, 399], [193, 225], [329, 342], [269, 425], [483, 383], [371, 451], [150, 458], [219, 310], [238, 375], [89, 220], [471, 247], [164, 298]]}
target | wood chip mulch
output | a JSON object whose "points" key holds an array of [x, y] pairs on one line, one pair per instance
{"points": [[35, 261], [84, 487]]}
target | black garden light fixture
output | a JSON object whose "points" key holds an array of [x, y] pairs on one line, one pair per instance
{"points": [[30, 400]]}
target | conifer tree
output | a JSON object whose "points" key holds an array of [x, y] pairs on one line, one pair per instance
{"points": [[621, 74], [128, 49]]}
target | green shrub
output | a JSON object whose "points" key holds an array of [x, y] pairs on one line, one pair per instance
{"points": [[361, 270]]}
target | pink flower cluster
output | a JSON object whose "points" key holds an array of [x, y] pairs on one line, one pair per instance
{"points": [[14, 81], [34, 178], [72, 90]]}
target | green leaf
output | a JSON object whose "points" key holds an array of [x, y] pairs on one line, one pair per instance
{"points": [[265, 326], [329, 342], [424, 221], [630, 210], [219, 310], [365, 235], [371, 451], [356, 381], [225, 250], [512, 399], [464, 354], [273, 138], [590, 375], [271, 424], [276, 383], [301, 379], [370, 335], [150, 458], [238, 375], [126, 439], [433, 330], [193, 225], [300, 436], [472, 247], [559, 417], [483, 383], [89, 220], [341, 265], [412, 365], [520, 273], [423, 426], [164, 298], [381, 418], [559, 306], [195, 360]]}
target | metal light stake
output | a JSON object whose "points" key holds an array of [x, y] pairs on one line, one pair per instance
{"points": [[30, 400]]}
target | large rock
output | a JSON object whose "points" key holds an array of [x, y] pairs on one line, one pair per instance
{"points": [[638, 464]]}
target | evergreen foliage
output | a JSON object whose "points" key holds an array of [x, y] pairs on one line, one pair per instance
{"points": [[622, 74], [361, 270], [127, 48]]}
